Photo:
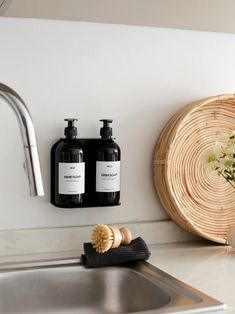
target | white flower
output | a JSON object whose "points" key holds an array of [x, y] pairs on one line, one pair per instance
{"points": [[221, 157]]}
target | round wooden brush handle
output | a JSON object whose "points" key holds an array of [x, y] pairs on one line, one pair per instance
{"points": [[126, 236], [120, 236]]}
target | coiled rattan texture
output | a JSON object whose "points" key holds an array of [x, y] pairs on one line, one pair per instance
{"points": [[197, 199]]}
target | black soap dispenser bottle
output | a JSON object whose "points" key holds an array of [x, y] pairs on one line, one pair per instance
{"points": [[107, 167], [67, 169]]}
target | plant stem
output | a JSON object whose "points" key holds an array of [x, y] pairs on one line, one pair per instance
{"points": [[226, 179]]}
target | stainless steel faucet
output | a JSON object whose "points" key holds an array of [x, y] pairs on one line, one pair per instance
{"points": [[32, 164]]}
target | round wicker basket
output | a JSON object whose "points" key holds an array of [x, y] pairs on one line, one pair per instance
{"points": [[198, 200]]}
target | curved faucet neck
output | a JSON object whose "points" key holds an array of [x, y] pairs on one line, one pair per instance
{"points": [[32, 163]]}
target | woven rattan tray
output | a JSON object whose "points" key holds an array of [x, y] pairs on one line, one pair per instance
{"points": [[198, 200]]}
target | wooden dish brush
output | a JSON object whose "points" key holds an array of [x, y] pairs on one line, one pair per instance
{"points": [[105, 237]]}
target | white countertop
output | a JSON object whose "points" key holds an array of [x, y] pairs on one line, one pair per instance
{"points": [[205, 266]]}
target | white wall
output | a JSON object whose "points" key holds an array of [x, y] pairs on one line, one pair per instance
{"points": [[138, 76], [208, 15]]}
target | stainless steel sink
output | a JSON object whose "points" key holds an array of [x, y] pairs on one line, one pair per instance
{"points": [[65, 286]]}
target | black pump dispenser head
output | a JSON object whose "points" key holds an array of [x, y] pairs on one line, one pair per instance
{"points": [[70, 130], [106, 130]]}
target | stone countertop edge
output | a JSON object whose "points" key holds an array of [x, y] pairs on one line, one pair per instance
{"points": [[205, 266]]}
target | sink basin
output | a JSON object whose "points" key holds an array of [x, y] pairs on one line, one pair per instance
{"points": [[65, 286]]}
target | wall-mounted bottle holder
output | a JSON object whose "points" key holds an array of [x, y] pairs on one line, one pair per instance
{"points": [[90, 147]]}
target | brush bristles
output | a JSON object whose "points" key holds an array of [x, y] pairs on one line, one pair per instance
{"points": [[101, 238]]}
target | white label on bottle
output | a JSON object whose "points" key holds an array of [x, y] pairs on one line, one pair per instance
{"points": [[71, 178], [108, 176]]}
